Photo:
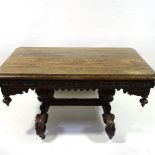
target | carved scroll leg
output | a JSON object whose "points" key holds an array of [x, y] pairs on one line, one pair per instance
{"points": [[106, 96], [45, 96], [40, 124]]}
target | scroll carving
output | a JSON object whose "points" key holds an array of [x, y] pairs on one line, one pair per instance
{"points": [[45, 96], [106, 96], [7, 91], [45, 91]]}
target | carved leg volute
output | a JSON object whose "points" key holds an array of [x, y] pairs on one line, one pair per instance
{"points": [[45, 96], [106, 96], [40, 124]]}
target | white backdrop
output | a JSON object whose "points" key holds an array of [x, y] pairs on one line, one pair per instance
{"points": [[93, 23]]}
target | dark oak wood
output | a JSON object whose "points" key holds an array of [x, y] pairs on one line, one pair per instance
{"points": [[106, 96], [48, 69], [45, 96]]}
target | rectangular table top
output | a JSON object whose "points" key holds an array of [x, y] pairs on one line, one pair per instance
{"points": [[62, 63]]}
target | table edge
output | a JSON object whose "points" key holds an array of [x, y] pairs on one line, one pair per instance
{"points": [[79, 77]]}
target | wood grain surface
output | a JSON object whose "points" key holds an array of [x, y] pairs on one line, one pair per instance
{"points": [[76, 63]]}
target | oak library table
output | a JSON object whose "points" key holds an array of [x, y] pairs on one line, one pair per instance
{"points": [[45, 69]]}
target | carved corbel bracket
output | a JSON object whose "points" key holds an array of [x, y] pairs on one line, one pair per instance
{"points": [[7, 91], [142, 89]]}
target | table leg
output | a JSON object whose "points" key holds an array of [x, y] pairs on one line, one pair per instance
{"points": [[106, 96], [45, 96]]}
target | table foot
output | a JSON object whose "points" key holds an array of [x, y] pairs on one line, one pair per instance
{"points": [[40, 124], [110, 125], [45, 96], [106, 96]]}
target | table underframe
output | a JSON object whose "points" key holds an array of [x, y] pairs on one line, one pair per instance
{"points": [[45, 91]]}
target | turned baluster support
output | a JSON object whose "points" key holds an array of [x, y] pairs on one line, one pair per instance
{"points": [[45, 96], [106, 96]]}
